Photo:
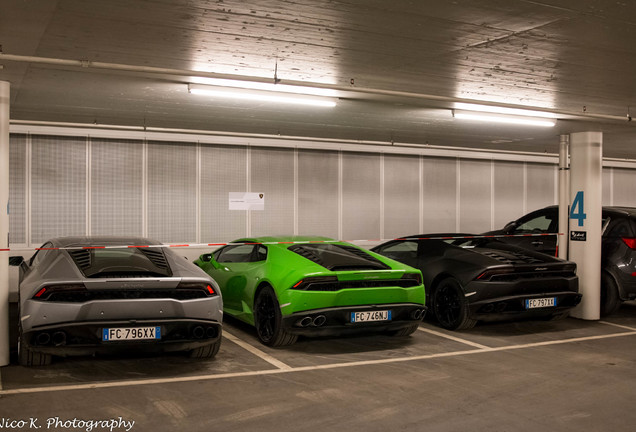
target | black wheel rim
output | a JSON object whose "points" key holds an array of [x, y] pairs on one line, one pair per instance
{"points": [[447, 305], [265, 317]]}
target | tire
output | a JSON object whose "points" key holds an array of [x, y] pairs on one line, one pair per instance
{"points": [[268, 320], [207, 351], [26, 357], [406, 331], [451, 307], [610, 298]]}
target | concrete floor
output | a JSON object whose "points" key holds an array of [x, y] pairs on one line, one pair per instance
{"points": [[568, 375]]}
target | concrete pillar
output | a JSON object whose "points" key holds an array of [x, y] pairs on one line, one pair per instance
{"points": [[4, 222], [564, 195], [586, 189]]}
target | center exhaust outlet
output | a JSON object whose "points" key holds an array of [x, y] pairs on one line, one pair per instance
{"points": [[319, 320], [305, 322], [59, 338], [43, 339], [198, 332], [418, 314]]}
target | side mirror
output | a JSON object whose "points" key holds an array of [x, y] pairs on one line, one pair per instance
{"points": [[208, 258], [16, 261], [510, 226]]}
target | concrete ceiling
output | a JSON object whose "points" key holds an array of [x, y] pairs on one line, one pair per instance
{"points": [[574, 57]]}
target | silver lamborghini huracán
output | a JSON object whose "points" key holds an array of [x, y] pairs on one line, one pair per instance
{"points": [[86, 295]]}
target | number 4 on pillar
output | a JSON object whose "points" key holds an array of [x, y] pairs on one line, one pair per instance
{"points": [[577, 212]]}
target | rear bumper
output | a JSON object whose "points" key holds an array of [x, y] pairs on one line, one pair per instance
{"points": [[36, 314], [337, 320], [627, 286], [492, 301], [85, 338], [506, 307]]}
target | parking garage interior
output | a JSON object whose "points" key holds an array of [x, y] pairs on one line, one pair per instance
{"points": [[104, 135]]}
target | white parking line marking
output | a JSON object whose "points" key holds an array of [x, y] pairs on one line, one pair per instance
{"points": [[258, 353], [618, 325], [302, 369], [454, 338]]}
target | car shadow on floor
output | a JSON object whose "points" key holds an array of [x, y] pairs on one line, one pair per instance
{"points": [[368, 341]]}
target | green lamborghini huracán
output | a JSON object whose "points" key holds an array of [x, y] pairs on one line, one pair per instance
{"points": [[314, 286]]}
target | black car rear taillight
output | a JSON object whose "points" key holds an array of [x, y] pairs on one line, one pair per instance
{"points": [[489, 274], [630, 242], [59, 290], [569, 268], [203, 287]]}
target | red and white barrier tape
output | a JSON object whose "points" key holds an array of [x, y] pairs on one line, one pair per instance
{"points": [[201, 245]]}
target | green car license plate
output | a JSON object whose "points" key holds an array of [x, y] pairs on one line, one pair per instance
{"points": [[370, 316], [540, 302], [131, 333]]}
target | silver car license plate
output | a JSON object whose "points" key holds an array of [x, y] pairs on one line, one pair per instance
{"points": [[130, 333]]}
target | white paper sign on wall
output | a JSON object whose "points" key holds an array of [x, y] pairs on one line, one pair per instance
{"points": [[247, 201]]}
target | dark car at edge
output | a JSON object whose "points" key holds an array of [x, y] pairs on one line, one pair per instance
{"points": [[618, 248], [481, 279]]}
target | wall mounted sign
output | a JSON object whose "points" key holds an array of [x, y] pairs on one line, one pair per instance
{"points": [[578, 235], [247, 201]]}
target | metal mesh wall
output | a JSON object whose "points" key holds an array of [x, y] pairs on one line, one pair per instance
{"points": [[361, 196], [318, 193], [475, 196], [439, 194], [509, 192], [401, 195], [17, 189], [540, 185], [58, 187], [116, 187], [172, 192], [272, 173], [223, 170], [53, 187], [624, 187]]}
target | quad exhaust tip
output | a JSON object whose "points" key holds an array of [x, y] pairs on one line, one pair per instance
{"points": [[198, 332], [59, 338], [305, 322], [319, 320], [309, 321], [43, 339], [418, 314]]}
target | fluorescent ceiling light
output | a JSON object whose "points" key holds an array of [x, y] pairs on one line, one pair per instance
{"points": [[283, 88], [502, 118], [264, 92], [503, 110]]}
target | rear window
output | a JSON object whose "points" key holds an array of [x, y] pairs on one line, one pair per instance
{"points": [[338, 257], [124, 262]]}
